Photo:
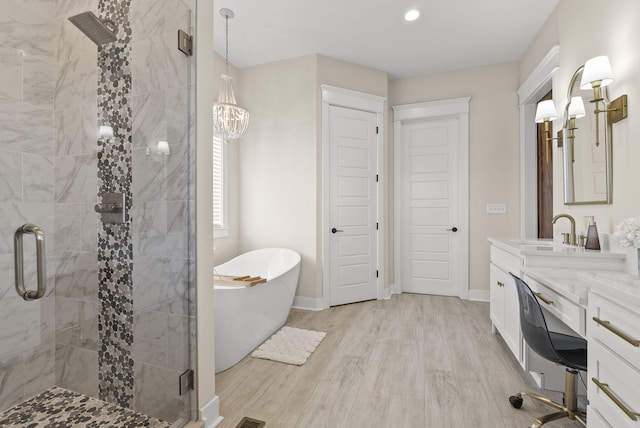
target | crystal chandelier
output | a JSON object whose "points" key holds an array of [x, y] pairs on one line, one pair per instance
{"points": [[229, 118]]}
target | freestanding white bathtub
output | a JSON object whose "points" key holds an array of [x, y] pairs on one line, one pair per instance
{"points": [[246, 316]]}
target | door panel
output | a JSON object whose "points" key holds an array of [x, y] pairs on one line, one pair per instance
{"points": [[352, 205], [429, 198]]}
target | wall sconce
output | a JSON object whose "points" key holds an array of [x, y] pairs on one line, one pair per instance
{"points": [[596, 75], [161, 148], [105, 133], [576, 111], [546, 112]]}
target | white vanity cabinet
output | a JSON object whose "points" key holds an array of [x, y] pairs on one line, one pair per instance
{"points": [[614, 363], [566, 307], [504, 308]]}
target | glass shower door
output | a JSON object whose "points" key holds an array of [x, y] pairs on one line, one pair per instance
{"points": [[162, 211], [27, 339], [116, 320]]}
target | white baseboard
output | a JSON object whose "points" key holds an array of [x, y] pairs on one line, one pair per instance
{"points": [[386, 293], [479, 295], [395, 288], [210, 413], [308, 303]]}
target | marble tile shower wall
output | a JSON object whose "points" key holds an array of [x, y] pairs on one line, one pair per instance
{"points": [[76, 223], [27, 194]]}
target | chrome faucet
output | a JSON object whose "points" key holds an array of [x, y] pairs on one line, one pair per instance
{"points": [[572, 235]]}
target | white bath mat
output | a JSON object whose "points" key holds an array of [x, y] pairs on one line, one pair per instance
{"points": [[290, 345]]}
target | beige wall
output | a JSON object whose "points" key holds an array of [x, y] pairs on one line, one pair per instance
{"points": [[545, 40], [205, 354], [226, 248], [278, 162], [587, 29], [493, 149], [280, 150], [280, 155], [279, 159]]}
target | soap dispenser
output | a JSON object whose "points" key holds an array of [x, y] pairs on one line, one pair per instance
{"points": [[593, 242]]}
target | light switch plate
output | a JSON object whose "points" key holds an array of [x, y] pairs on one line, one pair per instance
{"points": [[496, 208]]}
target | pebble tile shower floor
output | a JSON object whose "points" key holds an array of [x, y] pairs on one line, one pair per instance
{"points": [[61, 408]]}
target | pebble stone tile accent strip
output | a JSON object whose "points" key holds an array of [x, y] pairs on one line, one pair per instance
{"points": [[61, 408], [115, 248]]}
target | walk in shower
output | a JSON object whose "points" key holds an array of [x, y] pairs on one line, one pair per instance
{"points": [[113, 316]]}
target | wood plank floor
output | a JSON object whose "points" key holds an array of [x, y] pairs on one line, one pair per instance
{"points": [[411, 361]]}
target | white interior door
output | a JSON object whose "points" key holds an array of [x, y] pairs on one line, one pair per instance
{"points": [[430, 211], [353, 212]]}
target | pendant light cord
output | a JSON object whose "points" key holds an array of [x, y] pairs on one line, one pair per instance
{"points": [[226, 53]]}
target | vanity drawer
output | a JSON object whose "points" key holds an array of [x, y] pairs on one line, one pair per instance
{"points": [[571, 314], [615, 327], [613, 387], [595, 419]]}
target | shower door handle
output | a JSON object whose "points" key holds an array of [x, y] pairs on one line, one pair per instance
{"points": [[19, 261]]}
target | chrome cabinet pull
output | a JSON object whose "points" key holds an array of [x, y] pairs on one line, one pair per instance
{"points": [[605, 388], [620, 334], [544, 299], [19, 262]]}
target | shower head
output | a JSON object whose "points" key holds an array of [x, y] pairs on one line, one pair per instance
{"points": [[95, 28]]}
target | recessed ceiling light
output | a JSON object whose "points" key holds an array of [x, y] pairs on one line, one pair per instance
{"points": [[411, 15]]}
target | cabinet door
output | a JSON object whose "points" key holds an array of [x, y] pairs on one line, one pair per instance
{"points": [[512, 334], [496, 298], [617, 398]]}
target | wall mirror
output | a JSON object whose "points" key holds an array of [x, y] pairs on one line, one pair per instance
{"points": [[586, 142]]}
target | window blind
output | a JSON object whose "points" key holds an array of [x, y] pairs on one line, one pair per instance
{"points": [[218, 182]]}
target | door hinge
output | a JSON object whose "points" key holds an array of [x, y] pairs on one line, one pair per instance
{"points": [[185, 382], [377, 273], [377, 178], [377, 225], [377, 130], [185, 43]]}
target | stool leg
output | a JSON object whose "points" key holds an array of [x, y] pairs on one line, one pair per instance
{"points": [[570, 390]]}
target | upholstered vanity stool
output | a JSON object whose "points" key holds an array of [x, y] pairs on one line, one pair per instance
{"points": [[569, 351]]}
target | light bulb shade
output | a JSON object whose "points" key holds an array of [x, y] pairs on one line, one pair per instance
{"points": [[163, 147], [105, 132], [546, 110], [576, 108], [596, 69], [229, 118]]}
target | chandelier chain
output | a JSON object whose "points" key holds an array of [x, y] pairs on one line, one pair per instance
{"points": [[226, 53]]}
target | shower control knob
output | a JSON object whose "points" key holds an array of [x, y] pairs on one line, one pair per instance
{"points": [[334, 230]]}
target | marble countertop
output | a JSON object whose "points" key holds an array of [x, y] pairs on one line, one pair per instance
{"points": [[564, 281], [619, 287], [547, 247]]}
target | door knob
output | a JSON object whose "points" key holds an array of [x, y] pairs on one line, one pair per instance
{"points": [[334, 230], [453, 229]]}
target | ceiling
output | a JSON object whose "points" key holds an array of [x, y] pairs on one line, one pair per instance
{"points": [[449, 35]]}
